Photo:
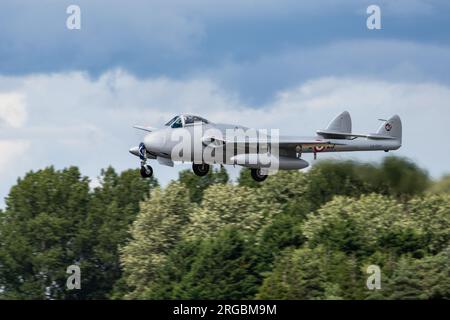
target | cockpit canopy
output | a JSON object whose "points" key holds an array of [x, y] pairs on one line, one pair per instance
{"points": [[184, 120]]}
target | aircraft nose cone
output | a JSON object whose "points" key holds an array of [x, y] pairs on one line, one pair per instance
{"points": [[154, 142], [134, 151]]}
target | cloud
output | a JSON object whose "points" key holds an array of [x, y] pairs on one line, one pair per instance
{"points": [[147, 37], [13, 116], [12, 110], [73, 119], [393, 60], [10, 150]]}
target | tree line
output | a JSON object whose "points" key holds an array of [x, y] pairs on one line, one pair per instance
{"points": [[298, 235]]}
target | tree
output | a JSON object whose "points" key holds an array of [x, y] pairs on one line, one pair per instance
{"points": [[40, 234], [431, 216], [298, 235], [227, 205], [114, 205], [52, 221], [178, 263], [327, 179], [245, 179], [404, 178], [406, 283], [197, 185], [425, 278], [284, 231], [156, 230], [441, 186], [307, 273], [364, 225], [289, 190], [224, 268], [434, 272]]}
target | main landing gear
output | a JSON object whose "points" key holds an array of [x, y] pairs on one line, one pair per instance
{"points": [[257, 175], [201, 169]]}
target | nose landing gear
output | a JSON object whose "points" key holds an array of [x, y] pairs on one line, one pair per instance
{"points": [[201, 169], [146, 171], [142, 152]]}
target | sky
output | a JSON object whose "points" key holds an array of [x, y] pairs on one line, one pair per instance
{"points": [[70, 97]]}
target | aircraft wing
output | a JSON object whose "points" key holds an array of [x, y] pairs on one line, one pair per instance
{"points": [[144, 128]]}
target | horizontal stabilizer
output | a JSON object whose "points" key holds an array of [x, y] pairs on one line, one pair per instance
{"points": [[359, 135], [341, 128], [376, 136]]}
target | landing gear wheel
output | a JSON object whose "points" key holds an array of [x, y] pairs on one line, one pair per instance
{"points": [[257, 175], [146, 171], [200, 169]]}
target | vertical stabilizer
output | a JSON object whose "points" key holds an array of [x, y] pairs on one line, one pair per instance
{"points": [[338, 127], [391, 128], [341, 124]]}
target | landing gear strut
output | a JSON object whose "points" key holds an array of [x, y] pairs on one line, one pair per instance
{"points": [[200, 169], [257, 175], [146, 171]]}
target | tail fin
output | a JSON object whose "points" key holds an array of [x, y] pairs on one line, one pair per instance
{"points": [[391, 128], [341, 123], [339, 127]]}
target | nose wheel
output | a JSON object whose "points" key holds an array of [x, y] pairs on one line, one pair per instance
{"points": [[200, 169], [257, 175], [146, 171]]}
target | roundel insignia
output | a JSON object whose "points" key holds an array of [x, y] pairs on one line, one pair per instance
{"points": [[388, 126], [319, 148]]}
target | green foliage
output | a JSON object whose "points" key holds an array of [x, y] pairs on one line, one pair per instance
{"points": [[155, 231], [228, 205], [310, 274], [113, 207], [376, 222], [425, 278], [434, 273], [298, 235], [178, 263], [356, 225], [403, 177], [289, 190], [405, 281], [52, 220], [431, 216], [328, 179], [284, 231], [40, 233], [224, 268], [245, 179], [441, 186], [197, 185], [395, 176], [301, 193]]}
